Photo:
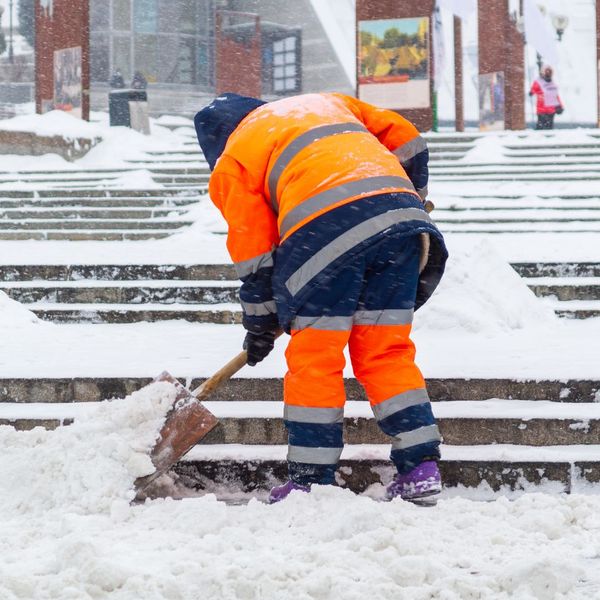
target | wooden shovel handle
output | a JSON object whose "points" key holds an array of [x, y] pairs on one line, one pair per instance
{"points": [[224, 373]]}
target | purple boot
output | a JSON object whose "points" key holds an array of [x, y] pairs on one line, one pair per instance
{"points": [[281, 492], [418, 485]]}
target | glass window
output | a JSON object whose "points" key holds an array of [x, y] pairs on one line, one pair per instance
{"points": [[285, 65], [185, 60], [145, 54], [99, 14], [187, 18], [169, 11], [145, 16], [122, 15], [99, 57], [121, 58], [203, 65]]}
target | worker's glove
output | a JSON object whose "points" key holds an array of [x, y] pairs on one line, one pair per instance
{"points": [[258, 346], [559, 110]]}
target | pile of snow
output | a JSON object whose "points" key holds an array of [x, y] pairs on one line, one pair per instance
{"points": [[53, 123], [481, 293], [14, 315], [88, 467]]}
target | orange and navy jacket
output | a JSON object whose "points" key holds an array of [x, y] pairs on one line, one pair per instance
{"points": [[305, 183]]}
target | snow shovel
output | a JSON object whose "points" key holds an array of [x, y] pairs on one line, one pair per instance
{"points": [[188, 421]]}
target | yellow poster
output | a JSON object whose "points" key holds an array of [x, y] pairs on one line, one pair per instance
{"points": [[394, 62]]}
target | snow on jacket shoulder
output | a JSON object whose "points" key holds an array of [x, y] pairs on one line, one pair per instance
{"points": [[304, 183]]}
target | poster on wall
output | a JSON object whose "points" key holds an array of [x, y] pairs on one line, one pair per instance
{"points": [[491, 101], [68, 88], [394, 65]]}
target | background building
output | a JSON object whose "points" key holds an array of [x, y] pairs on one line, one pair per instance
{"points": [[172, 43]]}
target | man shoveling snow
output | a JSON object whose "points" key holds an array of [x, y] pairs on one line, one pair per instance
{"points": [[324, 196]]}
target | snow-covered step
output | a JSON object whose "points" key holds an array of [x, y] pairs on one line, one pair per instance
{"points": [[83, 224], [84, 236], [223, 313], [492, 467], [503, 177], [95, 202], [566, 288], [79, 213], [165, 292], [68, 391], [575, 309], [125, 272], [503, 215], [519, 227], [520, 422], [510, 170], [554, 206], [558, 269], [555, 147]]}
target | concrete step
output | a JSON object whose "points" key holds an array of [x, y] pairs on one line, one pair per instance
{"points": [[550, 208], [566, 288], [503, 177], [117, 272], [517, 161], [97, 203], [225, 313], [85, 224], [557, 269], [92, 192], [519, 227], [90, 214], [523, 169], [218, 475], [551, 155], [509, 216], [514, 422], [555, 147], [575, 309], [84, 236], [553, 196], [92, 389], [123, 292]]}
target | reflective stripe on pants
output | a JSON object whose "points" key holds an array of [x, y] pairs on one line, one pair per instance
{"points": [[370, 309]]}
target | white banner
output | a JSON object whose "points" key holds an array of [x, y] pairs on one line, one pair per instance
{"points": [[461, 8], [538, 33], [439, 52]]}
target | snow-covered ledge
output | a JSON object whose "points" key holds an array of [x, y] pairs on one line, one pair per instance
{"points": [[55, 132]]}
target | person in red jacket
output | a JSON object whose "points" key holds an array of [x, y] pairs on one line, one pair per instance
{"points": [[548, 100], [324, 199]]}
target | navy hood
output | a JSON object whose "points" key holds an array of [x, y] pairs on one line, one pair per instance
{"points": [[217, 121]]}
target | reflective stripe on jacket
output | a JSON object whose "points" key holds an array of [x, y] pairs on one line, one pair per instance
{"points": [[301, 176]]}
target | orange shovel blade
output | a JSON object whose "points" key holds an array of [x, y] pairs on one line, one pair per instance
{"points": [[186, 423]]}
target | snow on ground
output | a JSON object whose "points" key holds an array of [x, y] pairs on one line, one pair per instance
{"points": [[68, 531], [14, 316]]}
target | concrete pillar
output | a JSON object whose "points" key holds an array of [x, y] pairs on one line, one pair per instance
{"points": [[598, 57], [238, 54], [64, 25], [501, 48], [458, 76]]}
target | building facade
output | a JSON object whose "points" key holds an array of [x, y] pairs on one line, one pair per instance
{"points": [[172, 44]]}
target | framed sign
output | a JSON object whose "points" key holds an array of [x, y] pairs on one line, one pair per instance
{"points": [[68, 88], [394, 62], [491, 101]]}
